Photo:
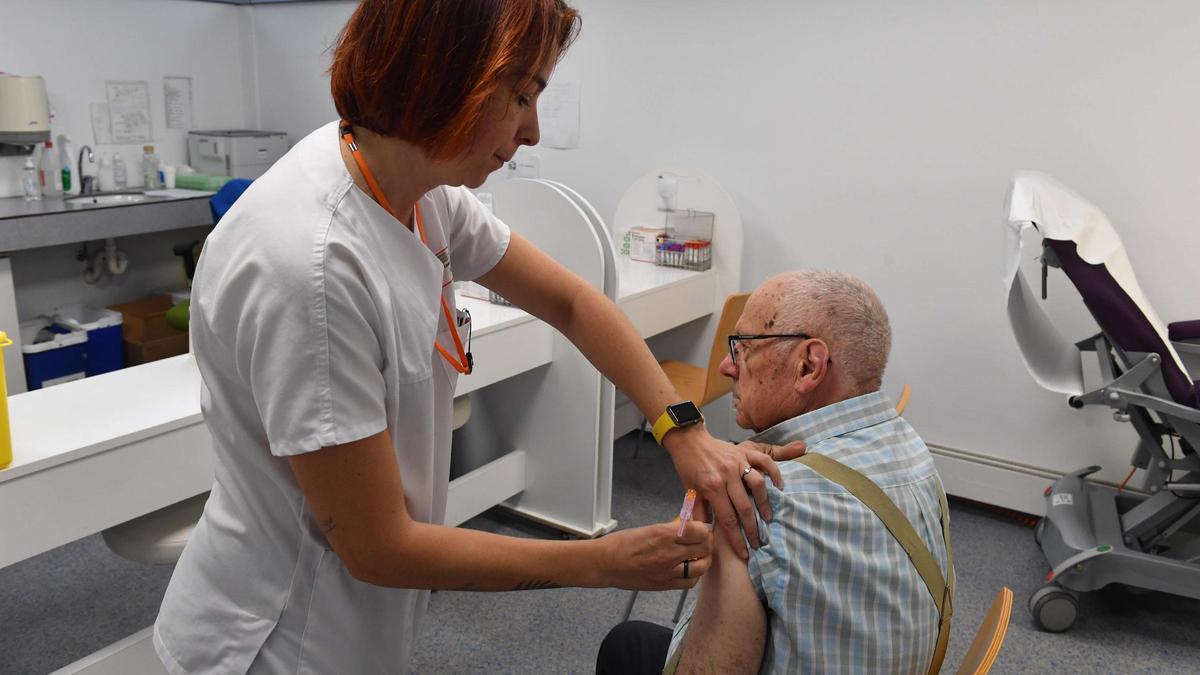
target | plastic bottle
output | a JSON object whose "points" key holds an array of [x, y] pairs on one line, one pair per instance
{"points": [[120, 179], [70, 172], [104, 177], [30, 185], [51, 171], [150, 177]]}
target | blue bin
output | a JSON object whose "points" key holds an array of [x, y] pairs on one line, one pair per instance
{"points": [[105, 350], [61, 358]]}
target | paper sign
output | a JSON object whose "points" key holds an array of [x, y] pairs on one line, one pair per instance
{"points": [[558, 112], [177, 97], [129, 108], [101, 124]]}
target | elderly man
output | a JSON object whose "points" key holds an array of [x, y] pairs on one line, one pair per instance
{"points": [[832, 589]]}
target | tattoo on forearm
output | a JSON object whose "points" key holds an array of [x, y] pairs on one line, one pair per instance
{"points": [[535, 585]]}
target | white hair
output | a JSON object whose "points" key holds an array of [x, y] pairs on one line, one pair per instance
{"points": [[845, 313]]}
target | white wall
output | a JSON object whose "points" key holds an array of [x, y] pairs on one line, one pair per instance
{"points": [[291, 52], [878, 138], [77, 46]]}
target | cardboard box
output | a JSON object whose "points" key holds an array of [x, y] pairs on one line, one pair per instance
{"points": [[146, 333], [643, 241]]}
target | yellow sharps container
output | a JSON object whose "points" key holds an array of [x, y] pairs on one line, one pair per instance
{"points": [[6, 456]]}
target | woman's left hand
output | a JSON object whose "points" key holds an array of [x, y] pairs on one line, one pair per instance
{"points": [[718, 471]]}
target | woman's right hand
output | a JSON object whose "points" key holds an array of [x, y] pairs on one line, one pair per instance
{"points": [[651, 558]]}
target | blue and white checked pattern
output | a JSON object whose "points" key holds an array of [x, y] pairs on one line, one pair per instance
{"points": [[842, 595]]}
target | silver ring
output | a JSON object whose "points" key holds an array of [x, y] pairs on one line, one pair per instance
{"points": [[685, 568], [746, 471]]}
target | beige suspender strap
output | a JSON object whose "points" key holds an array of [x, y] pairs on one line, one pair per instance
{"points": [[874, 498], [947, 608]]}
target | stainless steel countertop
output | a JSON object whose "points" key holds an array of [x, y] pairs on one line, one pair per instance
{"points": [[51, 221]]}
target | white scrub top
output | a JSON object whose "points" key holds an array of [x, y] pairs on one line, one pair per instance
{"points": [[313, 319]]}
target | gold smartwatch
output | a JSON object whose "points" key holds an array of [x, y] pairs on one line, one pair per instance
{"points": [[682, 414]]}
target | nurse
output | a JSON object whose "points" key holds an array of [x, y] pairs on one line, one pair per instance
{"points": [[326, 334]]}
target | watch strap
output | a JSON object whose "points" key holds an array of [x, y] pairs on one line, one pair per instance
{"points": [[666, 423]]}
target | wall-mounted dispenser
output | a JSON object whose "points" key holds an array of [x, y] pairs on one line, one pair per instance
{"points": [[24, 114]]}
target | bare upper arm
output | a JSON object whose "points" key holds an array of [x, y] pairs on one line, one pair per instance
{"points": [[728, 630], [355, 493], [530, 279]]}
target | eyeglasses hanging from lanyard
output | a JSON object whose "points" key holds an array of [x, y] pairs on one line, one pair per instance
{"points": [[464, 363]]}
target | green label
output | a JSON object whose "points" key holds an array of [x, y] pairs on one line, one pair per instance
{"points": [[66, 174]]}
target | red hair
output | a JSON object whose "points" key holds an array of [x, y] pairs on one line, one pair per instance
{"points": [[423, 70]]}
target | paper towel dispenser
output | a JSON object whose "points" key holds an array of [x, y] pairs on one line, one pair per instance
{"points": [[24, 114], [241, 153]]}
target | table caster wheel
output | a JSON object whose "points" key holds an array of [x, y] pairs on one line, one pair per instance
{"points": [[1054, 608]]}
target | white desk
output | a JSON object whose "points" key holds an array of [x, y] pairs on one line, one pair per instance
{"points": [[97, 452], [505, 342], [657, 299]]}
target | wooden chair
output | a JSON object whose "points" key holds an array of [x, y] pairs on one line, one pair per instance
{"points": [[704, 385], [986, 645]]}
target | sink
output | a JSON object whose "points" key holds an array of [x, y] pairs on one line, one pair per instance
{"points": [[106, 200]]}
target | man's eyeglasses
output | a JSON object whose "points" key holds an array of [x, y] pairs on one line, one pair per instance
{"points": [[735, 340]]}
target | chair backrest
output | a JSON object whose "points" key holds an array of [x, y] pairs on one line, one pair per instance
{"points": [[1091, 254], [1132, 325], [986, 645], [717, 385], [223, 200]]}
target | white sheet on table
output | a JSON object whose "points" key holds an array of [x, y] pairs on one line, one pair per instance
{"points": [[1036, 199]]}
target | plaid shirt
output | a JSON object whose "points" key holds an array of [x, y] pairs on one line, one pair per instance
{"points": [[841, 593]]}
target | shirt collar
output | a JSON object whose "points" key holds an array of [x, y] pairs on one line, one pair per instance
{"points": [[833, 420]]}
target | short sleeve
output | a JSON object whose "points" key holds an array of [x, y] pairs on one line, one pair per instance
{"points": [[768, 561], [477, 238], [316, 362], [758, 563]]}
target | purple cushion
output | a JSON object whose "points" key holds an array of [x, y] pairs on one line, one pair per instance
{"points": [[1184, 330], [1121, 319]]}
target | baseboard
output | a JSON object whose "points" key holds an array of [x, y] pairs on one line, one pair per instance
{"points": [[996, 481], [966, 474]]}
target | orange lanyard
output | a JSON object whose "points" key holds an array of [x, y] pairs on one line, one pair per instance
{"points": [[464, 363]]}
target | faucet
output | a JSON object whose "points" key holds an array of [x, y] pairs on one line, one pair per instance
{"points": [[85, 182]]}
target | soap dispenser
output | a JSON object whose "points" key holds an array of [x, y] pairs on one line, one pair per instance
{"points": [[66, 159]]}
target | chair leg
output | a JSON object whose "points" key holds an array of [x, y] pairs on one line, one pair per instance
{"points": [[679, 607], [629, 605], [641, 431]]}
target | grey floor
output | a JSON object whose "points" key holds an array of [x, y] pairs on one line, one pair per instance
{"points": [[69, 602]]}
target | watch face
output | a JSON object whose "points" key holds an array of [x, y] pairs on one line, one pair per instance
{"points": [[684, 413]]}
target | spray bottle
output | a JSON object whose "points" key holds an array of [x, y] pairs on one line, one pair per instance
{"points": [[70, 172]]}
